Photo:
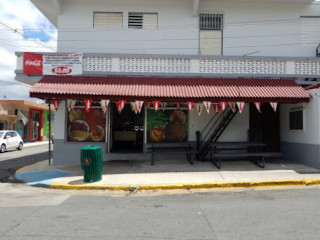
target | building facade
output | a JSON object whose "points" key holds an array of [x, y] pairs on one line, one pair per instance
{"points": [[182, 55]]}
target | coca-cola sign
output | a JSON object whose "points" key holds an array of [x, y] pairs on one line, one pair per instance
{"points": [[32, 63], [52, 64]]}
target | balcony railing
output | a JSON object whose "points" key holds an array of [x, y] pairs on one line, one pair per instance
{"points": [[221, 66]]}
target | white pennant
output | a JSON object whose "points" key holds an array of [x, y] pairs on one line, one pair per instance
{"points": [[139, 105], [232, 106], [274, 106], [207, 106], [199, 107], [163, 105], [258, 105], [71, 104], [223, 105], [240, 106], [104, 105], [132, 104]]}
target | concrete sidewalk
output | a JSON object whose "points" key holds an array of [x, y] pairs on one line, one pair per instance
{"points": [[171, 174]]}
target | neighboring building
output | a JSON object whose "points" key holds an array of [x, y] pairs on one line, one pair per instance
{"points": [[29, 119], [177, 51]]}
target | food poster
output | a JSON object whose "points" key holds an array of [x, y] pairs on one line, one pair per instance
{"points": [[86, 127], [167, 126]]}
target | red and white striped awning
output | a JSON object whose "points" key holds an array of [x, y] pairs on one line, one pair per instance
{"points": [[169, 89]]}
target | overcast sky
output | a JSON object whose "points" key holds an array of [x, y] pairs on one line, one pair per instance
{"points": [[22, 28]]}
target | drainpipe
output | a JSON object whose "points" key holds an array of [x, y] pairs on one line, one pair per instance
{"points": [[50, 163]]}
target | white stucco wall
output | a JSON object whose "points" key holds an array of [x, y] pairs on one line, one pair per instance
{"points": [[59, 121], [311, 115], [236, 130], [268, 28]]}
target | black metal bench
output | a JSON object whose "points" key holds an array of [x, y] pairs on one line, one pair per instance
{"points": [[254, 152], [173, 148]]}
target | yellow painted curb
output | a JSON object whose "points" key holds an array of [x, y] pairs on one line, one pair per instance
{"points": [[158, 187], [20, 169], [90, 187]]}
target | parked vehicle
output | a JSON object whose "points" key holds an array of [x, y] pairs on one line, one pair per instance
{"points": [[10, 139]]}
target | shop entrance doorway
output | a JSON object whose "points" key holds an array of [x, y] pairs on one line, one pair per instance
{"points": [[126, 130]]}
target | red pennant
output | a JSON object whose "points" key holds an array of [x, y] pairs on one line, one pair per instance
{"points": [[178, 106], [190, 105], [156, 105], [223, 105], [258, 105], [216, 107], [87, 103], [120, 105], [56, 104]]}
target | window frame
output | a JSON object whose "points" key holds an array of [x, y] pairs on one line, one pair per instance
{"points": [[298, 124], [93, 21]]}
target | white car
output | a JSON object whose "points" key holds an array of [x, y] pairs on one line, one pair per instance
{"points": [[10, 139]]}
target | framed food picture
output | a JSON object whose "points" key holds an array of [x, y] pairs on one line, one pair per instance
{"points": [[86, 127], [167, 126]]}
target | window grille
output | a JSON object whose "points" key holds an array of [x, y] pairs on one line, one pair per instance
{"points": [[210, 21], [143, 20], [296, 120]]}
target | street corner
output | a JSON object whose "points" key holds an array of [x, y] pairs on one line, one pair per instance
{"points": [[40, 178]]}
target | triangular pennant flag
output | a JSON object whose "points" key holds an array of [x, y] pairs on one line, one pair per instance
{"points": [[274, 106], [190, 106], [120, 105], [258, 105], [207, 106], [148, 105], [199, 107], [132, 104], [178, 106], [104, 105], [240, 106], [71, 104], [87, 103], [156, 105], [232, 106], [139, 105], [216, 107], [223, 105], [163, 105], [56, 104]]}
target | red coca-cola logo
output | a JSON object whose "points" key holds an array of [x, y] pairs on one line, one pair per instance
{"points": [[36, 63], [62, 70]]}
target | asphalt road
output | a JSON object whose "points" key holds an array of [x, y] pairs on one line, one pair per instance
{"points": [[12, 160], [36, 213]]}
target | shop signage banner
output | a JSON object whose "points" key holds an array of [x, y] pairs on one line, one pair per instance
{"points": [[52, 64]]}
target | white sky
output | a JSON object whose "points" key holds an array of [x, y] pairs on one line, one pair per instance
{"points": [[23, 16]]}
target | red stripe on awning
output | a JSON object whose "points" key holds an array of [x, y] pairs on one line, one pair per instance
{"points": [[169, 89]]}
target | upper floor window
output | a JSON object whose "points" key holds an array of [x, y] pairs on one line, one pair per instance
{"points": [[210, 36], [107, 20], [143, 20], [310, 30]]}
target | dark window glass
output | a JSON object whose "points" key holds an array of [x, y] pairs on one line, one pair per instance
{"points": [[296, 120]]}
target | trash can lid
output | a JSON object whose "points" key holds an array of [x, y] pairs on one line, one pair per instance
{"points": [[91, 147]]}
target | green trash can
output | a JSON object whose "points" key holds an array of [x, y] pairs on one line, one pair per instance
{"points": [[91, 163]]}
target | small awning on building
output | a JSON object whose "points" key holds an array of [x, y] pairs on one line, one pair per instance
{"points": [[173, 89]]}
